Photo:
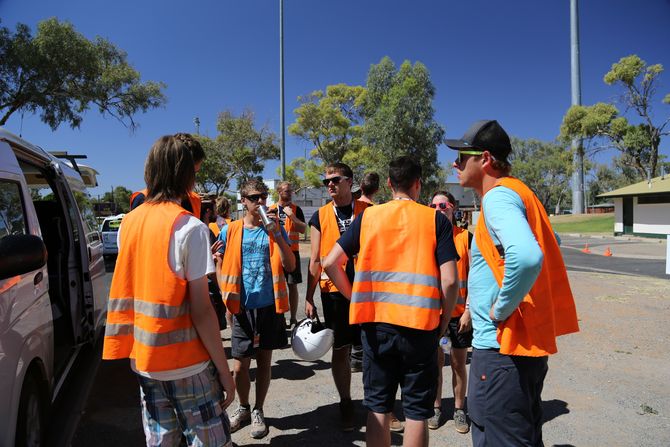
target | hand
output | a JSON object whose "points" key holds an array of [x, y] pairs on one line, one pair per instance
{"points": [[492, 316], [273, 214], [228, 384], [465, 322], [288, 211], [216, 246], [310, 309]]}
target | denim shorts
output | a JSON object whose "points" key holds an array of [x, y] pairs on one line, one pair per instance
{"points": [[189, 407]]}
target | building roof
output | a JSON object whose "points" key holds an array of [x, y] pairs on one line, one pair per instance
{"points": [[658, 185]]}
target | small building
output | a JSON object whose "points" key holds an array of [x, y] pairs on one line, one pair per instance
{"points": [[601, 208], [642, 209]]}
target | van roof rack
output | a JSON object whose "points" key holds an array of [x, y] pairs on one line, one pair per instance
{"points": [[72, 158]]}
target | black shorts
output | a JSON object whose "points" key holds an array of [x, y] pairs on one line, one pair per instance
{"points": [[393, 356], [458, 341], [266, 322], [336, 316], [295, 277]]}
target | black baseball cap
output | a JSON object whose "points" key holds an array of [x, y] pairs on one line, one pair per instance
{"points": [[484, 135]]}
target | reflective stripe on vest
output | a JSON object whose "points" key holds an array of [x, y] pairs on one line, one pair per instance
{"points": [[548, 311], [330, 233], [397, 279], [229, 275], [148, 316]]}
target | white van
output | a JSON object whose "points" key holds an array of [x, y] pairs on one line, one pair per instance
{"points": [[109, 231], [52, 296]]}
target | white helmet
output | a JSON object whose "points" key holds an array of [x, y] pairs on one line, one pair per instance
{"points": [[311, 340]]}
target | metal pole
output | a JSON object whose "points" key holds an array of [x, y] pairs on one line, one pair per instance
{"points": [[281, 90], [578, 154]]}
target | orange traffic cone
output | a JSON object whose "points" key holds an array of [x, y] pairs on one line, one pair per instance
{"points": [[608, 252], [586, 249]]}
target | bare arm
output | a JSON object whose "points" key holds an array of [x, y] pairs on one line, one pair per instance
{"points": [[313, 272], [332, 264], [298, 224], [449, 283], [207, 326]]}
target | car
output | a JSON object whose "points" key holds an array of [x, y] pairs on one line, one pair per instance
{"points": [[53, 299], [109, 230]]}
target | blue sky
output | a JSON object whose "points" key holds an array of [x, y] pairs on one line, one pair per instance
{"points": [[508, 60]]}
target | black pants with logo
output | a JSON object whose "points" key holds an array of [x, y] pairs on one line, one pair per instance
{"points": [[504, 398]]}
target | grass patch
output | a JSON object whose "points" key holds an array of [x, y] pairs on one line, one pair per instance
{"points": [[583, 223]]}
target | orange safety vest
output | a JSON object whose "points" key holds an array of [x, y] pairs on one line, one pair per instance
{"points": [[397, 278], [293, 234], [330, 233], [548, 311], [462, 243], [196, 202], [148, 317], [215, 228], [229, 276]]}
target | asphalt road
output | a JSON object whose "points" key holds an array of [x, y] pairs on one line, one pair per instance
{"points": [[575, 260]]}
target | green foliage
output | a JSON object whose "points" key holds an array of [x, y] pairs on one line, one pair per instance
{"points": [[61, 73], [119, 196], [399, 120], [602, 123], [546, 167], [237, 153], [605, 179], [331, 122]]}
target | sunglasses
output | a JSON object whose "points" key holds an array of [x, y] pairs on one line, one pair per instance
{"points": [[442, 206], [255, 197], [461, 159], [336, 180]]}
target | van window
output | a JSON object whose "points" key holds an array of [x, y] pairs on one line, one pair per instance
{"points": [[12, 214], [111, 225]]}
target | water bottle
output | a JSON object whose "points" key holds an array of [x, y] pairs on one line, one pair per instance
{"points": [[268, 223], [445, 345]]}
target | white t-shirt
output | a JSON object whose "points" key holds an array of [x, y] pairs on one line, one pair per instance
{"points": [[190, 258]]}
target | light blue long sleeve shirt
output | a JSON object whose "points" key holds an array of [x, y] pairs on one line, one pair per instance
{"points": [[505, 217]]}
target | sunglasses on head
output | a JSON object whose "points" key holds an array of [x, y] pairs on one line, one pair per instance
{"points": [[336, 180], [255, 197], [442, 206], [460, 157]]}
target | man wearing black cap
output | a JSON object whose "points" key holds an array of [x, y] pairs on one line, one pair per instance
{"points": [[519, 294]]}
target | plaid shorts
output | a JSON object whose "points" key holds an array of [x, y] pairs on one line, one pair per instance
{"points": [[190, 407]]}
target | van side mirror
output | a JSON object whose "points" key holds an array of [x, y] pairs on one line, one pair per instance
{"points": [[21, 254]]}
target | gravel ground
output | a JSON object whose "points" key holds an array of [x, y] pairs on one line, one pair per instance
{"points": [[608, 385]]}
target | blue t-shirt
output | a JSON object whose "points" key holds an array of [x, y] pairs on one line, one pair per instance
{"points": [[256, 271], [505, 217]]}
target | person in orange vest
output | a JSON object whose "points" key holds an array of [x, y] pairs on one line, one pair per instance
{"points": [[519, 294], [403, 294], [327, 224], [251, 278], [292, 219], [159, 311], [192, 202], [460, 325], [222, 215]]}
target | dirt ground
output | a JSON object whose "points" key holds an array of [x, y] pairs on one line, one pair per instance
{"points": [[608, 385]]}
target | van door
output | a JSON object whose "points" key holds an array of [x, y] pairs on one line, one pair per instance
{"points": [[81, 289]]}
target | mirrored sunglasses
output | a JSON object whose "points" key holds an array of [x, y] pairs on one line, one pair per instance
{"points": [[336, 180]]}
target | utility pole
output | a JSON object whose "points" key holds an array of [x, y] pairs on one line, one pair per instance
{"points": [[196, 121], [281, 90], [578, 150]]}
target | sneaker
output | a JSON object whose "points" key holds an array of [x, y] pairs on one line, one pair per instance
{"points": [[397, 425], [258, 426], [461, 421], [240, 416], [434, 422], [347, 415]]}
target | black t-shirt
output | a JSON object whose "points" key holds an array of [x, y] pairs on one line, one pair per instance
{"points": [[140, 198], [343, 216], [282, 215], [444, 251]]}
